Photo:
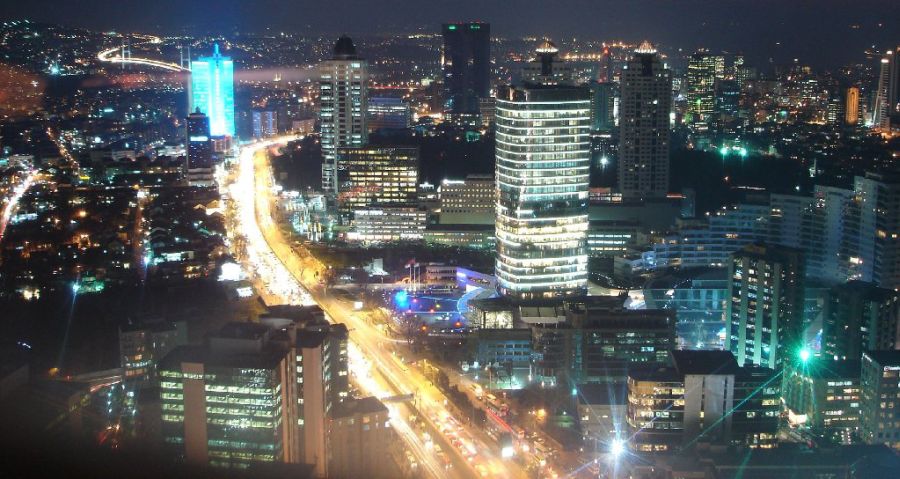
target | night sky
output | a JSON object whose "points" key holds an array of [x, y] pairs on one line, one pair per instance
{"points": [[818, 32]]}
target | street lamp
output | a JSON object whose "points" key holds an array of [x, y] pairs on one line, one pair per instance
{"points": [[617, 448]]}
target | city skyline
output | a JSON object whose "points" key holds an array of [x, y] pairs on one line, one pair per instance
{"points": [[373, 241], [792, 30]]}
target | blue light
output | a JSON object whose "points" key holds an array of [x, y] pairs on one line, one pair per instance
{"points": [[212, 91], [401, 299]]}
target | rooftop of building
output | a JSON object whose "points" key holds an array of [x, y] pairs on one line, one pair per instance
{"points": [[704, 362], [768, 251], [295, 312], [868, 290], [353, 407], [884, 358], [798, 457], [683, 278], [242, 330], [517, 334], [459, 228], [827, 368], [267, 358], [151, 326], [608, 394]]}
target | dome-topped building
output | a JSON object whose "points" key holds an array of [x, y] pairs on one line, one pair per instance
{"points": [[344, 49]]}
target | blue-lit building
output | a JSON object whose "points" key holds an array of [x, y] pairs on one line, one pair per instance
{"points": [[212, 91]]}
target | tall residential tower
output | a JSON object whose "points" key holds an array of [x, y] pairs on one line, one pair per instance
{"points": [[343, 81], [646, 101]]}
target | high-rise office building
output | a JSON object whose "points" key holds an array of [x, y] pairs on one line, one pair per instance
{"points": [[728, 96], [472, 201], [764, 315], [377, 175], [199, 164], [542, 168], [702, 72], [851, 105], [388, 113], [343, 106], [212, 91], [466, 63], [646, 101], [600, 341], [859, 317], [322, 383], [880, 385], [255, 393], [265, 123], [232, 402], [824, 395], [603, 106], [705, 397]]}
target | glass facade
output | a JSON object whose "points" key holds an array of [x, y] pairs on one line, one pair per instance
{"points": [[542, 167], [243, 406], [466, 65], [212, 92], [377, 176]]}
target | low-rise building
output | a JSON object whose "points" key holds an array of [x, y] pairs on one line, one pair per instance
{"points": [[601, 414], [387, 224]]}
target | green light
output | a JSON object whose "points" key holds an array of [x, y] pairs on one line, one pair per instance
{"points": [[743, 152], [804, 355], [574, 391], [451, 27], [723, 151]]}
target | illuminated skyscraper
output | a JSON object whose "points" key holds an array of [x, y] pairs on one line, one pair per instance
{"points": [[851, 106], [212, 92], [703, 71], [887, 94], [645, 104], [343, 106], [466, 62], [543, 161]]}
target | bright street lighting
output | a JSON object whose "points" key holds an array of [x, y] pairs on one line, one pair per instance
{"points": [[617, 448]]}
